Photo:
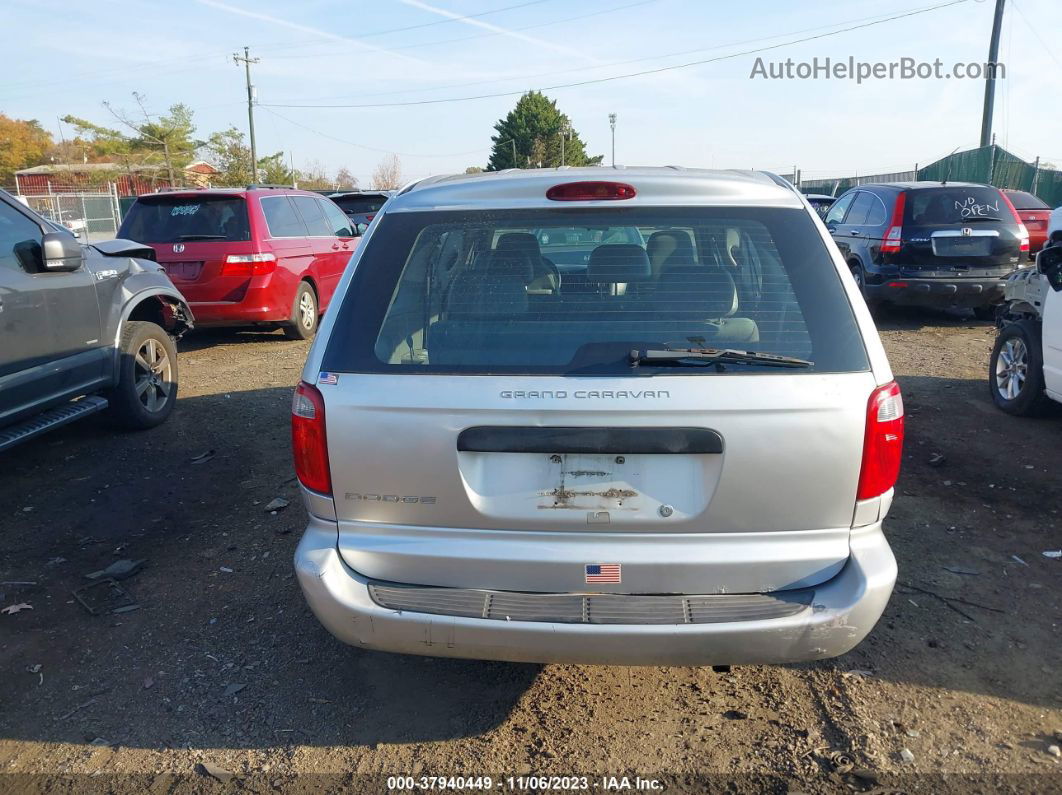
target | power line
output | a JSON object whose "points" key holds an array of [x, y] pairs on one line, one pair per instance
{"points": [[612, 63], [268, 109], [1032, 30], [642, 73]]}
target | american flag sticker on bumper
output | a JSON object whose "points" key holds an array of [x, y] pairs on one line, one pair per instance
{"points": [[603, 572]]}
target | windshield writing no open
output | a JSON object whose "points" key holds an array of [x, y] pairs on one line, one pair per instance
{"points": [[970, 208]]}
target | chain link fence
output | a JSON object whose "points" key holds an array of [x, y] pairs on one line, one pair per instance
{"points": [[92, 216]]}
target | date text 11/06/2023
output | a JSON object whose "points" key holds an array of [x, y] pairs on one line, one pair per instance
{"points": [[530, 783]]}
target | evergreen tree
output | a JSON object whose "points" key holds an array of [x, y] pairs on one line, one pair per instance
{"points": [[532, 131]]}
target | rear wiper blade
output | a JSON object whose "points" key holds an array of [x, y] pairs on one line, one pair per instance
{"points": [[701, 356], [980, 218], [200, 237]]}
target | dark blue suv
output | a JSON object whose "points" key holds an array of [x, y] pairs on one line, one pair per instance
{"points": [[930, 243]]}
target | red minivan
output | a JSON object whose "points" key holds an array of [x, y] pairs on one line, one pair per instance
{"points": [[1034, 213], [254, 256]]}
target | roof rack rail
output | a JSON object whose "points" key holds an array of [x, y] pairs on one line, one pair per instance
{"points": [[782, 182], [175, 189], [254, 185]]}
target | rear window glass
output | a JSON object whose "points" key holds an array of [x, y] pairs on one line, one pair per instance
{"points": [[359, 205], [176, 219], [939, 206], [1026, 201], [480, 293]]}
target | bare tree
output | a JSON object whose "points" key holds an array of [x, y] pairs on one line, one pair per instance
{"points": [[388, 174], [345, 180], [314, 177]]}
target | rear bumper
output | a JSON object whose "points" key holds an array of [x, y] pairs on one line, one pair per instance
{"points": [[222, 313], [258, 305], [938, 291], [843, 610]]}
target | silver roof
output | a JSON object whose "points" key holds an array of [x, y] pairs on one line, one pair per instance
{"points": [[655, 186]]}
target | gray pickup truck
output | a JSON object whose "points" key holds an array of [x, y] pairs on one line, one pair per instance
{"points": [[83, 328]]}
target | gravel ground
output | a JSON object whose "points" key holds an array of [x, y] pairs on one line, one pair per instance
{"points": [[959, 688]]}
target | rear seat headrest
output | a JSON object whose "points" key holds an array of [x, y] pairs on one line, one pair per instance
{"points": [[618, 263], [522, 242]]}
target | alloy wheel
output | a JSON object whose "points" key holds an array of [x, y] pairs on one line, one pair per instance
{"points": [[154, 375], [1012, 367], [307, 310]]}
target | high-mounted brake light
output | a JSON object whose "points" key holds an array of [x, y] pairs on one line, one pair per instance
{"points": [[249, 264], [308, 440], [893, 240], [1023, 232], [883, 442], [596, 190]]}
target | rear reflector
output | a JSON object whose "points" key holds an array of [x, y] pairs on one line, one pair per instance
{"points": [[1023, 233], [893, 240], [897, 284], [591, 191], [308, 440], [249, 264], [883, 443]]}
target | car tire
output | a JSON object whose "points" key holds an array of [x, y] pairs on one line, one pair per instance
{"points": [[985, 312], [1015, 370], [860, 276], [146, 391], [303, 322]]}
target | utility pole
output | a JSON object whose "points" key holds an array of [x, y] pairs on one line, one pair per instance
{"points": [[612, 124], [247, 60], [564, 130], [990, 77]]}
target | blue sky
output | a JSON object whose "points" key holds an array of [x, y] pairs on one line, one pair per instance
{"points": [[73, 56]]}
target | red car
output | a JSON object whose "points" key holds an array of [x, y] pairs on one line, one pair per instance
{"points": [[1033, 213], [252, 256]]}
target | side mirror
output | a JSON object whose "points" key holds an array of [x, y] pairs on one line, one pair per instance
{"points": [[359, 229], [60, 252], [1049, 263]]}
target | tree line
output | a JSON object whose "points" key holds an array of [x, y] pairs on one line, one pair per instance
{"points": [[167, 142], [535, 134]]}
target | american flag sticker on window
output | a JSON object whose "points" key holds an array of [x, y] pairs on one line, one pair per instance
{"points": [[603, 572], [328, 378]]}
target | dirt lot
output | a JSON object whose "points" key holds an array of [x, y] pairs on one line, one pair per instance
{"points": [[223, 663]]}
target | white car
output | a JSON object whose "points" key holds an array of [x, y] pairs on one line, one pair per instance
{"points": [[1025, 371]]}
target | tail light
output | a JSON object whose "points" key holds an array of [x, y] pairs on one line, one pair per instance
{"points": [[883, 443], [369, 217], [249, 264], [893, 240], [591, 191], [1023, 233], [308, 440]]}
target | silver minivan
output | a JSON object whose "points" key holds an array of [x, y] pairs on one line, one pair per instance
{"points": [[624, 416]]}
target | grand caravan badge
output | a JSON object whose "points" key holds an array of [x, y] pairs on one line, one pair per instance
{"points": [[585, 394]]}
